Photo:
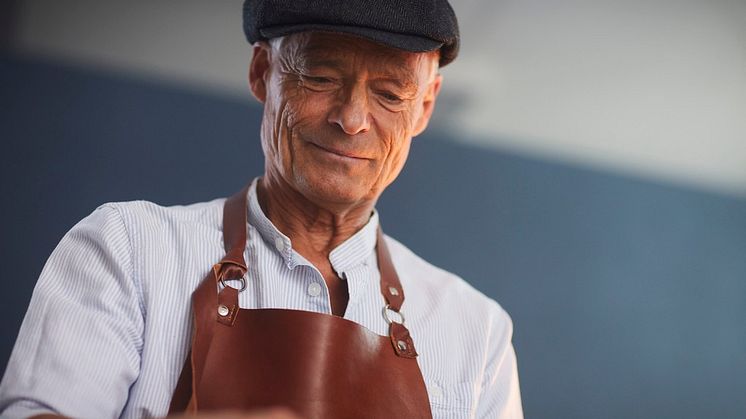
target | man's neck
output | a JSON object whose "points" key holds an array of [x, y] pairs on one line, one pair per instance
{"points": [[314, 230]]}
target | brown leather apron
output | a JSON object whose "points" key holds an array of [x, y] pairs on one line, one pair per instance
{"points": [[319, 365]]}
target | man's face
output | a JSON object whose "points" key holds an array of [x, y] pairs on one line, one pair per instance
{"points": [[340, 113]]}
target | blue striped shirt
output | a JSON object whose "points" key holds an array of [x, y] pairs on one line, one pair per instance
{"points": [[109, 324]]}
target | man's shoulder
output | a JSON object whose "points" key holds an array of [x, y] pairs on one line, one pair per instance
{"points": [[146, 214], [442, 288]]}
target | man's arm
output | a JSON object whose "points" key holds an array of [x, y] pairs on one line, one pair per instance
{"points": [[78, 350]]}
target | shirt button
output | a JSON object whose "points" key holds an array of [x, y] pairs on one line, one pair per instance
{"points": [[279, 244], [314, 289], [436, 391]]}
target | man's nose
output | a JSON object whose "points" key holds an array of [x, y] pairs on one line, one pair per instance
{"points": [[352, 113]]}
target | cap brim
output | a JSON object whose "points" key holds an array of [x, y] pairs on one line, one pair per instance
{"points": [[412, 43]]}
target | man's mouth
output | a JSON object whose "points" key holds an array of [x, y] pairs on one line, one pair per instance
{"points": [[340, 153]]}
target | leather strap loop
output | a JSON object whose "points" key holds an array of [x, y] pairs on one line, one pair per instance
{"points": [[402, 340], [227, 308]]}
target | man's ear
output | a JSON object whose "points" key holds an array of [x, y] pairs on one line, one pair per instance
{"points": [[428, 105], [259, 70]]}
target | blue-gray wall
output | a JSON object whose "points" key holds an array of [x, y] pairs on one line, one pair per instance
{"points": [[628, 297]]}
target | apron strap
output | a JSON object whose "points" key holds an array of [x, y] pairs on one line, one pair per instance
{"points": [[393, 294], [235, 212], [233, 265], [234, 229]]}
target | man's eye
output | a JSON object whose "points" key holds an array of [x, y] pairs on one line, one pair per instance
{"points": [[318, 80], [390, 97]]}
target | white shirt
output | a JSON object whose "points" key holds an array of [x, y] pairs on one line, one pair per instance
{"points": [[109, 324]]}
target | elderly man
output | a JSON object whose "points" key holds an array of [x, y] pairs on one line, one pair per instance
{"points": [[304, 306]]}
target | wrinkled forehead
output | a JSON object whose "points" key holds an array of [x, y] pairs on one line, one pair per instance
{"points": [[334, 50]]}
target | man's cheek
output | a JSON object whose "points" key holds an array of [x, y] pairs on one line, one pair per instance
{"points": [[398, 149], [407, 120]]}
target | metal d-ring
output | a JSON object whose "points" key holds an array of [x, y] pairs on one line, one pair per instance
{"points": [[242, 279], [386, 315]]}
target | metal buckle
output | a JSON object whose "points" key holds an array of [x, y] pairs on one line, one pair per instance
{"points": [[242, 279], [386, 315]]}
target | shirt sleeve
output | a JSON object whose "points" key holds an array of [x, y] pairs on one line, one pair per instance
{"points": [[78, 350], [501, 395]]}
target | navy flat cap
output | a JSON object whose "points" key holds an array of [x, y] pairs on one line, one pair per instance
{"points": [[410, 25]]}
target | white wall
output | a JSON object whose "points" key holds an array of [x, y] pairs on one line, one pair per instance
{"points": [[655, 88]]}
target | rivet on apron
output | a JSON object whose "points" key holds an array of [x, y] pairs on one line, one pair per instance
{"points": [[393, 291], [402, 345], [223, 310]]}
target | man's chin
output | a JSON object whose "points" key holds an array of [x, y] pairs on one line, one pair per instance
{"points": [[331, 194]]}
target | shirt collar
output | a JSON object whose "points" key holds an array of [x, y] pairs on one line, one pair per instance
{"points": [[348, 255]]}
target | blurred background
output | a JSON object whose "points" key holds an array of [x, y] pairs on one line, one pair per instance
{"points": [[586, 168]]}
